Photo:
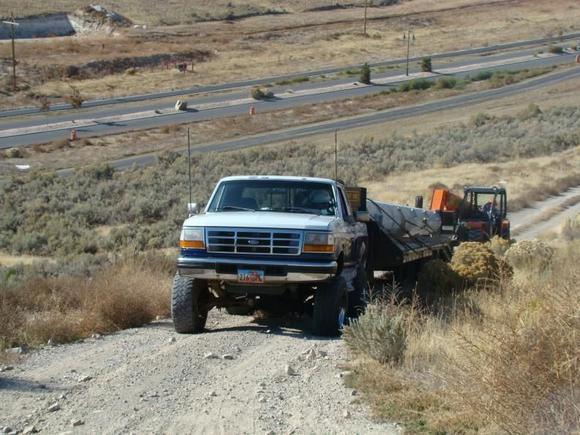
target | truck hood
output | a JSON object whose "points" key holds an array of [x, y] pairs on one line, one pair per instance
{"points": [[257, 219]]}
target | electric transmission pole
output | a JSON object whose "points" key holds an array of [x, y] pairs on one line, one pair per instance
{"points": [[409, 35], [365, 20], [13, 25]]}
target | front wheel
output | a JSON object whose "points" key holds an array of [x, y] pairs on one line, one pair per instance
{"points": [[357, 299], [330, 307], [189, 304]]}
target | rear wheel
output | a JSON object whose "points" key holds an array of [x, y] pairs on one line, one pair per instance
{"points": [[189, 304], [330, 307]]}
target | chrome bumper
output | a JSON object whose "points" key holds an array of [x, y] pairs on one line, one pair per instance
{"points": [[287, 271]]}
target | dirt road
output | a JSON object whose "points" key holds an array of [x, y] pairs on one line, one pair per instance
{"points": [[279, 380], [545, 216]]}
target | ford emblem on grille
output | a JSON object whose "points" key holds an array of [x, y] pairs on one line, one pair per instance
{"points": [[253, 242]]}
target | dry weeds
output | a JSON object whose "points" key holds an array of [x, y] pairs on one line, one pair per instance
{"points": [[505, 361], [127, 293]]}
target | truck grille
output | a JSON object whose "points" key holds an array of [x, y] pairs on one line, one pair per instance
{"points": [[251, 241]]}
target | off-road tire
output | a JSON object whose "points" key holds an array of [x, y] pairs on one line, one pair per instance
{"points": [[329, 299], [189, 304]]}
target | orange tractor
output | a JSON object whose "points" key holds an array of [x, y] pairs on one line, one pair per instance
{"points": [[478, 216]]}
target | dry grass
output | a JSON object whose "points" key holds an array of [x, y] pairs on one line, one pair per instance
{"points": [[128, 293], [571, 229], [177, 11], [264, 46], [502, 361], [560, 171]]}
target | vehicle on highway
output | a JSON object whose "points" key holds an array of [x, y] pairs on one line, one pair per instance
{"points": [[295, 244]]}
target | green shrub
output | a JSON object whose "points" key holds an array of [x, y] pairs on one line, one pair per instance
{"points": [[482, 75], [437, 278], [365, 74], [480, 119], [554, 49], [415, 85], [426, 64], [14, 153], [261, 94], [379, 333], [446, 83]]}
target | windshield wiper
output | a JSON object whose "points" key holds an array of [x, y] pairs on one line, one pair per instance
{"points": [[299, 209], [234, 207]]}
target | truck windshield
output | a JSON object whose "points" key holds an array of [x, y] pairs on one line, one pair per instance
{"points": [[275, 196]]}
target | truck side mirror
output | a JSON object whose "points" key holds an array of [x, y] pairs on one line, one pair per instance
{"points": [[362, 216], [192, 208]]}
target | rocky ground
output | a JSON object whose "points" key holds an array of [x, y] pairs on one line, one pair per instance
{"points": [[239, 377]]}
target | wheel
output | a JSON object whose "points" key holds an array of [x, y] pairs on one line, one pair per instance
{"points": [[239, 311], [189, 304], [330, 307], [357, 299]]}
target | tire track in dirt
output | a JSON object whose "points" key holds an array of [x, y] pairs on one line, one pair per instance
{"points": [[545, 215], [152, 380]]}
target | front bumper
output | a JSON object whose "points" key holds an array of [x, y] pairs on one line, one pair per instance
{"points": [[275, 271]]}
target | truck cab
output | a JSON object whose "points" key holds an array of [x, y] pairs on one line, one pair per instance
{"points": [[276, 243]]}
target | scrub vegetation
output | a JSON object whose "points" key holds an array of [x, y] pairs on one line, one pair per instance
{"points": [[124, 291], [98, 210], [97, 228], [498, 358]]}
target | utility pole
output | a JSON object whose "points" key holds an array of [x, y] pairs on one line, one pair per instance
{"points": [[13, 25], [365, 20], [335, 155], [409, 34]]}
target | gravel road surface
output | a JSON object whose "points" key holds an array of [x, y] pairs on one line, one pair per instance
{"points": [[240, 377], [545, 216]]}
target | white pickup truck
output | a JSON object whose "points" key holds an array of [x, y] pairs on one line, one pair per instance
{"points": [[274, 243]]}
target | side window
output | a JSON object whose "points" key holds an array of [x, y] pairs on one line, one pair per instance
{"points": [[344, 205]]}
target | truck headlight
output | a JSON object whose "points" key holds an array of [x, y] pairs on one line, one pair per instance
{"points": [[192, 238], [318, 242]]}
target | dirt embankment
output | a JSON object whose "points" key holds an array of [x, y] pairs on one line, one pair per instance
{"points": [[240, 377]]}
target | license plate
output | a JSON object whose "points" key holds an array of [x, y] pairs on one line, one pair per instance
{"points": [[251, 276]]}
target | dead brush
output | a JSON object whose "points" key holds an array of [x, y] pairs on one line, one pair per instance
{"points": [[529, 255], [128, 293], [519, 371], [497, 359]]}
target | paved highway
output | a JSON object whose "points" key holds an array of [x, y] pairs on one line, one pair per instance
{"points": [[109, 120], [363, 120], [313, 73]]}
